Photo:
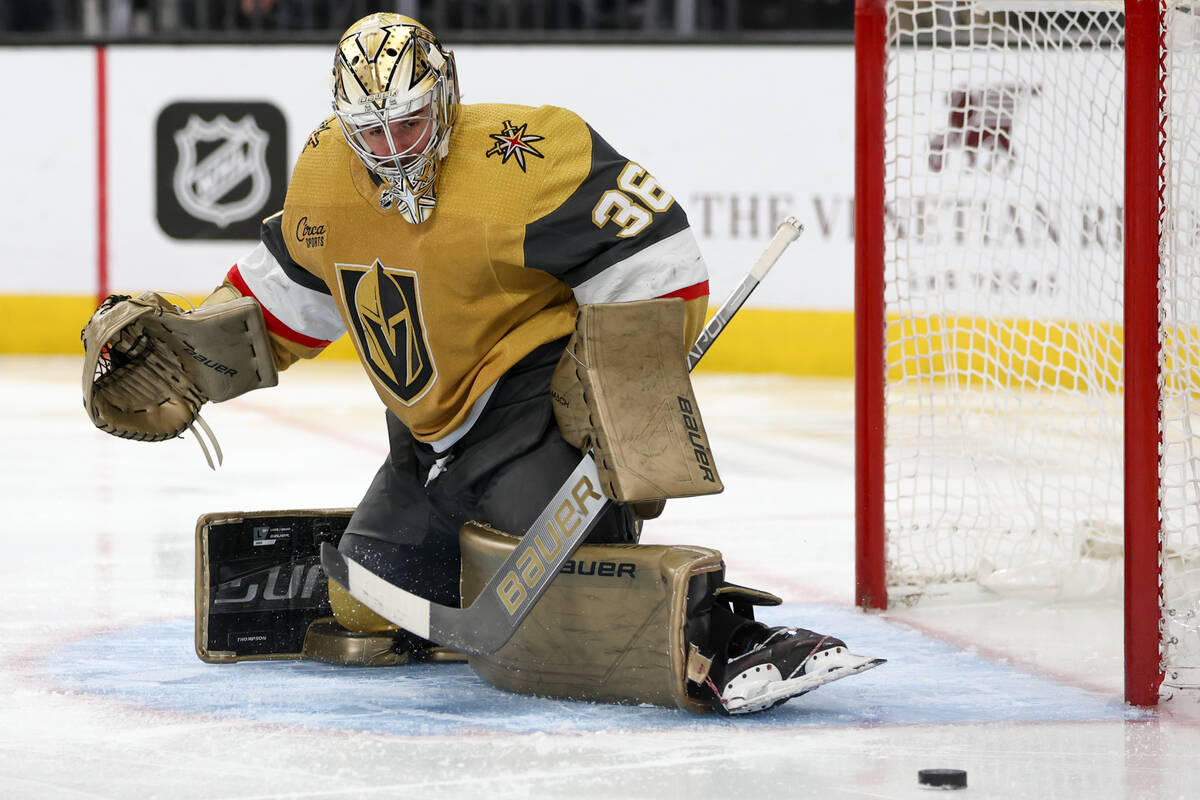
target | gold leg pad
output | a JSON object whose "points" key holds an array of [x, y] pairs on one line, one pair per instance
{"points": [[328, 641], [610, 628], [355, 619], [353, 615]]}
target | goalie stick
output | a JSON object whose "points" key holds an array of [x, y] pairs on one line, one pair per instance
{"points": [[489, 622]]}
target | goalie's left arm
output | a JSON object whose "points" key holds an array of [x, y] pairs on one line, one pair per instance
{"points": [[298, 309]]}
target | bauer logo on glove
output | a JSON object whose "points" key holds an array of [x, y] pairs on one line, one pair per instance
{"points": [[149, 366]]}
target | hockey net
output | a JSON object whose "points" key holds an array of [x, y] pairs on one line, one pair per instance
{"points": [[1002, 316]]}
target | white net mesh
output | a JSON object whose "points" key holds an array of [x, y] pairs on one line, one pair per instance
{"points": [[1003, 269]]}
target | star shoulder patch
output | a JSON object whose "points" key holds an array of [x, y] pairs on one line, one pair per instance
{"points": [[514, 142], [314, 138]]}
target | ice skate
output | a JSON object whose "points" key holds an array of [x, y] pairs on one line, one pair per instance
{"points": [[785, 663]]}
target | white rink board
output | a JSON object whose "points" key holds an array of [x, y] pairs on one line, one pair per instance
{"points": [[142, 81], [47, 205], [743, 136]]}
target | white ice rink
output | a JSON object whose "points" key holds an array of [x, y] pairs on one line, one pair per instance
{"points": [[102, 696]]}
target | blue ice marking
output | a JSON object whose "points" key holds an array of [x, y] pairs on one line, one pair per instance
{"points": [[925, 681]]}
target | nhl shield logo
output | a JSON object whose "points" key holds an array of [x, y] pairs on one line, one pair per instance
{"points": [[384, 306], [221, 167], [203, 185]]}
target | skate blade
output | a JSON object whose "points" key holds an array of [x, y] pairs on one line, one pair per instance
{"points": [[835, 667]]}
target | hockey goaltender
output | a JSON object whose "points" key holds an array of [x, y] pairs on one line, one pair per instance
{"points": [[519, 295]]}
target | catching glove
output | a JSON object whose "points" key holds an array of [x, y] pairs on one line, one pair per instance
{"points": [[149, 366]]}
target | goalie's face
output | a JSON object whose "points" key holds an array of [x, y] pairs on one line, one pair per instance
{"points": [[395, 95], [399, 141]]}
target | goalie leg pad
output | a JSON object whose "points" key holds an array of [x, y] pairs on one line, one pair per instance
{"points": [[261, 595], [326, 640], [259, 583], [622, 389], [353, 616], [616, 625]]}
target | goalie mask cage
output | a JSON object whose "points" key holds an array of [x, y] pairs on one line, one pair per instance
{"points": [[1028, 308]]}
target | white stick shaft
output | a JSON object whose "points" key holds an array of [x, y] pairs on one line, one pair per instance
{"points": [[789, 230]]}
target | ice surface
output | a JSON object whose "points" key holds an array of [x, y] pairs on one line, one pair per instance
{"points": [[103, 697]]}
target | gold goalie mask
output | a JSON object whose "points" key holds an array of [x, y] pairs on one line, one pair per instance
{"points": [[395, 95]]}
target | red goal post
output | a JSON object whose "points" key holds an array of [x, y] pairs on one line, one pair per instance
{"points": [[1007, 314]]}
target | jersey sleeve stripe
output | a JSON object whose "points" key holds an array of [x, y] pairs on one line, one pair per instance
{"points": [[272, 322], [689, 292], [272, 238], [673, 264], [295, 312]]}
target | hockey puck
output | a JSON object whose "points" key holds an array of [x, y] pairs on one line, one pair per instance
{"points": [[943, 778]]}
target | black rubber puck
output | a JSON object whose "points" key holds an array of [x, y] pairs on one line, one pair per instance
{"points": [[943, 778]]}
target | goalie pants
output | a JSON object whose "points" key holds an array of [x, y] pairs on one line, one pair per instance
{"points": [[503, 472]]}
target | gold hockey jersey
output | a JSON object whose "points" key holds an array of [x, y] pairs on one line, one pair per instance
{"points": [[535, 214]]}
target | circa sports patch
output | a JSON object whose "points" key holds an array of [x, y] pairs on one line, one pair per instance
{"points": [[514, 142]]}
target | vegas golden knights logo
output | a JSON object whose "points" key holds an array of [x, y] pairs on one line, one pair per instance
{"points": [[385, 311]]}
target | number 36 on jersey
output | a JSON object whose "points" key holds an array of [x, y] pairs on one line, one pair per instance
{"points": [[632, 205]]}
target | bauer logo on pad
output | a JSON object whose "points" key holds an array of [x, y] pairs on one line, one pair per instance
{"points": [[220, 168]]}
